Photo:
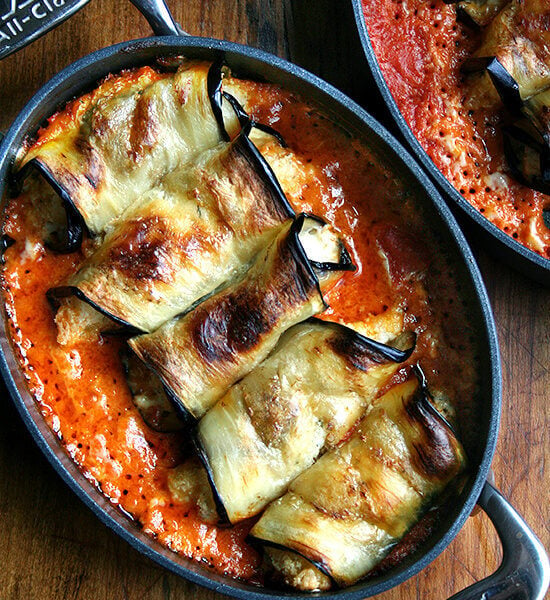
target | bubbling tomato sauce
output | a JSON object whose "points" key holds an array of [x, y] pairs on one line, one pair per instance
{"points": [[420, 47], [404, 279]]}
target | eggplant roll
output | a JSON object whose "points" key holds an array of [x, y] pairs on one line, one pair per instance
{"points": [[190, 235], [527, 144], [346, 511], [149, 396], [123, 142], [302, 400], [199, 355], [537, 111], [478, 12], [515, 53]]}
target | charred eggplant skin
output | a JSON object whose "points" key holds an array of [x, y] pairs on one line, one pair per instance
{"points": [[76, 227], [214, 87], [245, 119], [344, 263], [352, 342], [506, 86]]}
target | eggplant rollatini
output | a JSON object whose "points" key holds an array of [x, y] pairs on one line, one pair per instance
{"points": [[192, 234], [199, 355], [514, 65], [527, 143], [123, 143], [345, 512], [302, 400], [478, 12], [515, 54]]}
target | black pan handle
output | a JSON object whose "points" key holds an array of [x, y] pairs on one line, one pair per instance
{"points": [[525, 572], [158, 16]]}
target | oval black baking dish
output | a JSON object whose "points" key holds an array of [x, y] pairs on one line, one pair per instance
{"points": [[525, 563], [498, 243]]}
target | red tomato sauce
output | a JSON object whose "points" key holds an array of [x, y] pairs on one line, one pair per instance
{"points": [[81, 390], [420, 47]]}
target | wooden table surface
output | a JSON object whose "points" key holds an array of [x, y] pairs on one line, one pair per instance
{"points": [[51, 546]]}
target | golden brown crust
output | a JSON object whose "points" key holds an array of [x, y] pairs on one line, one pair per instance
{"points": [[129, 137], [187, 237]]}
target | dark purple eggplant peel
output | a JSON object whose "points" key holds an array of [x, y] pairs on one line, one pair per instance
{"points": [[477, 13]]}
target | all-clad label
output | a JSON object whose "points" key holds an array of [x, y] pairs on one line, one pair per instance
{"points": [[22, 21]]}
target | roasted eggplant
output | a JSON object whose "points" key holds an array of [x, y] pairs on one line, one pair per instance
{"points": [[194, 232], [513, 61], [199, 355], [119, 145], [537, 110], [527, 144], [345, 512], [301, 401], [478, 12], [512, 66], [149, 396]]}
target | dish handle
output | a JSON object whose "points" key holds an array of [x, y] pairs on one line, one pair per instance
{"points": [[158, 16], [524, 573]]}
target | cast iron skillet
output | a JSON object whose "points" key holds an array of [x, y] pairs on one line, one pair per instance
{"points": [[499, 244], [524, 572]]}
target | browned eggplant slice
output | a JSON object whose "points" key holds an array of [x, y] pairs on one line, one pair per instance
{"points": [[199, 355], [528, 158], [345, 512], [537, 110], [196, 231], [515, 47], [124, 143], [478, 12], [304, 399], [527, 144]]}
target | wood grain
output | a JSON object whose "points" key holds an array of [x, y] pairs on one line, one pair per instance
{"points": [[51, 546]]}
